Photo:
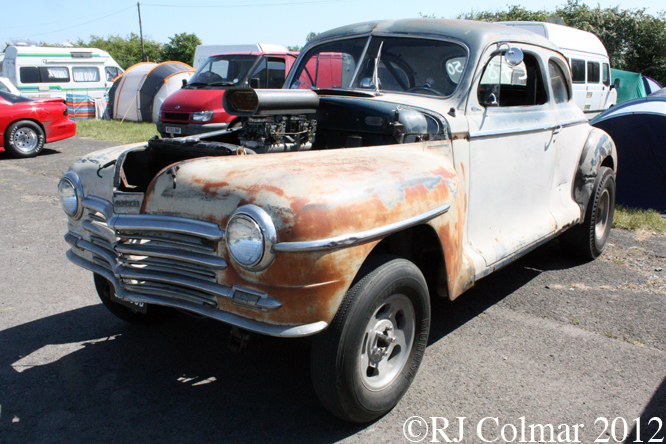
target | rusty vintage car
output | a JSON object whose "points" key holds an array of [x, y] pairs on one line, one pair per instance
{"points": [[402, 160]]}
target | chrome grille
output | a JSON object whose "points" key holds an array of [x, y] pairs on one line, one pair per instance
{"points": [[164, 261]]}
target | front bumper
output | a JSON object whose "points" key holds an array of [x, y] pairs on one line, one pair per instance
{"points": [[189, 129], [169, 261]]}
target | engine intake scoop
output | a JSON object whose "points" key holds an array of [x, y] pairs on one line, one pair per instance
{"points": [[247, 102]]}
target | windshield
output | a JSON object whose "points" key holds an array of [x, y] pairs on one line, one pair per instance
{"points": [[223, 70], [406, 65]]}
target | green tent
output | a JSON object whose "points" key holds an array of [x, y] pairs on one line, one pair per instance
{"points": [[631, 85]]}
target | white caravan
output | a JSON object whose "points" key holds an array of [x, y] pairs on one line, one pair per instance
{"points": [[588, 60], [54, 72]]}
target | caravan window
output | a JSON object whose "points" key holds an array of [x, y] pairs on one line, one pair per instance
{"points": [[85, 74], [48, 74], [578, 70], [112, 72], [593, 74], [606, 73]]}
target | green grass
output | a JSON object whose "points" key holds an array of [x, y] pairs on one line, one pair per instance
{"points": [[115, 130], [634, 219]]}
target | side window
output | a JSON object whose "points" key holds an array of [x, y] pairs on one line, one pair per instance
{"points": [[578, 71], [505, 85], [276, 72], [593, 74], [111, 73], [85, 74], [606, 74], [29, 74], [326, 70], [260, 73], [558, 82], [54, 74]]}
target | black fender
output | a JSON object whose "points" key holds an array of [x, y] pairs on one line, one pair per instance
{"points": [[599, 150]]}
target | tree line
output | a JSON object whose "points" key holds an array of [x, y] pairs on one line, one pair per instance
{"points": [[635, 40]]}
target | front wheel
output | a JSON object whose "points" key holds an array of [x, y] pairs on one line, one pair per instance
{"points": [[142, 314], [588, 240], [366, 360]]}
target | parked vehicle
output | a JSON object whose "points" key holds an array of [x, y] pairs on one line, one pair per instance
{"points": [[197, 107], [202, 52], [416, 171], [7, 86], [54, 72], [26, 124], [588, 60]]}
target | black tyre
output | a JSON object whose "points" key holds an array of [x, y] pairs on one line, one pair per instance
{"points": [[366, 360], [24, 139], [153, 313], [588, 240]]}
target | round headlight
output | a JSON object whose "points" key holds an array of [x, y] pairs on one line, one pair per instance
{"points": [[251, 238], [70, 193]]}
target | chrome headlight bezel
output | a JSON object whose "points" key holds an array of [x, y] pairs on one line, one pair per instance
{"points": [[265, 225], [202, 116], [72, 180]]}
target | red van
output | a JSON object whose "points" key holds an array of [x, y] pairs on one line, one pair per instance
{"points": [[197, 107]]}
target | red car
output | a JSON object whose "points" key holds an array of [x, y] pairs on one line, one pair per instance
{"points": [[27, 123]]}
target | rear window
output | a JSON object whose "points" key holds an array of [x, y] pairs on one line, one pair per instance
{"points": [[13, 98]]}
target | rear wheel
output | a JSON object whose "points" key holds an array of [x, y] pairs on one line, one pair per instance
{"points": [[24, 139], [142, 314], [366, 360], [588, 240]]}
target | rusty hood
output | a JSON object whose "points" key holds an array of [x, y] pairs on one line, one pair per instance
{"points": [[310, 195]]}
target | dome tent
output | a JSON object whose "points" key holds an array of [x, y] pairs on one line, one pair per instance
{"points": [[140, 91]]}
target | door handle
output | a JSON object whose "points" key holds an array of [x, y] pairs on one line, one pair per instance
{"points": [[557, 129]]}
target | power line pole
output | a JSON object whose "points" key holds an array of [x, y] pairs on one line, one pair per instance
{"points": [[143, 50]]}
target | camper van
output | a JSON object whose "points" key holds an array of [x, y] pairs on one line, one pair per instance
{"points": [[54, 72], [593, 88]]}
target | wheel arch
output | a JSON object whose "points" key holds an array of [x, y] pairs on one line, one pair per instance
{"points": [[27, 119], [420, 245], [599, 150]]}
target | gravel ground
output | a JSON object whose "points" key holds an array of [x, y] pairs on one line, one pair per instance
{"points": [[547, 338]]}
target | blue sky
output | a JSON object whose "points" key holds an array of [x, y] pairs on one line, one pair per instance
{"points": [[285, 22]]}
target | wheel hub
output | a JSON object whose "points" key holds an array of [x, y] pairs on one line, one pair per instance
{"points": [[378, 348], [25, 139]]}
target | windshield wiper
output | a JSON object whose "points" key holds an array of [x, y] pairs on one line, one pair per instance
{"points": [[195, 84], [375, 73], [221, 84]]}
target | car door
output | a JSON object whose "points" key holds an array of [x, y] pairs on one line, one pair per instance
{"points": [[511, 155]]}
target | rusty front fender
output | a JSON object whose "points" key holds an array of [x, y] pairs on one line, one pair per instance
{"points": [[323, 198]]}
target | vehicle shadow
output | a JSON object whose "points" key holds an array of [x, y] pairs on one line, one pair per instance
{"points": [[450, 315], [84, 376], [651, 429], [4, 155]]}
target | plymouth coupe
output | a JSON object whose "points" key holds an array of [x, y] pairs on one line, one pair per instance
{"points": [[401, 161]]}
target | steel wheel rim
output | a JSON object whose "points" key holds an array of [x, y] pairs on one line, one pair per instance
{"points": [[603, 210], [25, 139], [387, 342]]}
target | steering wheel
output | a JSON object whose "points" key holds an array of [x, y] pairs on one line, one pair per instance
{"points": [[209, 77], [426, 89]]}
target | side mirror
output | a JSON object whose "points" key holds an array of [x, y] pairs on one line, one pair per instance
{"points": [[514, 56], [184, 83], [616, 84], [255, 83]]}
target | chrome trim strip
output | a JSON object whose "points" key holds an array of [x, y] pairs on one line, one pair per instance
{"points": [[210, 261], [172, 224], [95, 203], [285, 331], [348, 240], [522, 130], [100, 230]]}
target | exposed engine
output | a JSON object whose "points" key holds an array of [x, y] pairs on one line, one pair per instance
{"points": [[277, 133]]}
